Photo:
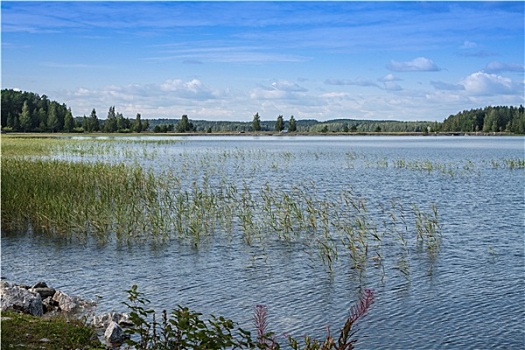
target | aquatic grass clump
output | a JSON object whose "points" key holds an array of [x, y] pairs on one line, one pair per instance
{"points": [[77, 199], [29, 145], [515, 163]]}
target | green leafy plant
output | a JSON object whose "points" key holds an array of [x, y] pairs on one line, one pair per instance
{"points": [[185, 329], [181, 329]]}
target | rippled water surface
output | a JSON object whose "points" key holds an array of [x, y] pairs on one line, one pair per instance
{"points": [[469, 296]]}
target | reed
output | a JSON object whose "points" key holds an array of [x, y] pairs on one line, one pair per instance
{"points": [[68, 198], [106, 196]]}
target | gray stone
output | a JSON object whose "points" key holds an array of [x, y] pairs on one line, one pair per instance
{"points": [[103, 320], [50, 305], [114, 334], [20, 299], [43, 291], [65, 302], [40, 284]]}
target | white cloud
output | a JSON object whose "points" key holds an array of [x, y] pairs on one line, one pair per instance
{"points": [[285, 85], [389, 82], [419, 64], [173, 96], [335, 95], [481, 83], [389, 77], [498, 67], [220, 51]]}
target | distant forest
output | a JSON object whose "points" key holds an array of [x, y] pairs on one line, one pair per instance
{"points": [[30, 112]]}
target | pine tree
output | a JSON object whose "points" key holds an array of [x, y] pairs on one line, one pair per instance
{"points": [[279, 124], [69, 122], [184, 124], [93, 122], [111, 122], [52, 119], [292, 126], [137, 125], [25, 118], [256, 123], [121, 123]]}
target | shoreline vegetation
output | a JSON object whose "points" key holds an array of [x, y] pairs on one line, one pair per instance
{"points": [[144, 328], [249, 133], [29, 112]]}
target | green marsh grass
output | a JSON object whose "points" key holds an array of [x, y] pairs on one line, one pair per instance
{"points": [[193, 200]]}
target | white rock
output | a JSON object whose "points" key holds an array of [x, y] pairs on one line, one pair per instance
{"points": [[103, 320], [114, 333], [15, 298]]}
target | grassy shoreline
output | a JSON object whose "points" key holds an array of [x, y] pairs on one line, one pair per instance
{"points": [[21, 331]]}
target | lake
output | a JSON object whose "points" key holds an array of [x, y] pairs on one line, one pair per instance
{"points": [[467, 294]]}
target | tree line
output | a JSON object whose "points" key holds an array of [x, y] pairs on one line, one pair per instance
{"points": [[489, 119], [30, 112]]}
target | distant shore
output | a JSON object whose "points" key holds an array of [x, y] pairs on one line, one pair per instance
{"points": [[261, 133]]}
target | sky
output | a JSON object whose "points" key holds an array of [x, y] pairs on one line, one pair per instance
{"points": [[229, 60]]}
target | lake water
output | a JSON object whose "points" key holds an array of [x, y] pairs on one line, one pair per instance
{"points": [[471, 295]]}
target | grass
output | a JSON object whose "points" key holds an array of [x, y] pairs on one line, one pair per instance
{"points": [[193, 198], [20, 331], [69, 198]]}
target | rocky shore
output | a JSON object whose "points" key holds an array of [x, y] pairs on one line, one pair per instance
{"points": [[43, 300]]}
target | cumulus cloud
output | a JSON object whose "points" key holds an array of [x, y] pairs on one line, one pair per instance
{"points": [[498, 67], [193, 89], [481, 83], [419, 64], [166, 99]]}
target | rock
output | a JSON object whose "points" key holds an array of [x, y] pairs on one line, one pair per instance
{"points": [[40, 284], [114, 334], [20, 299], [43, 291], [103, 320], [50, 305], [65, 302]]}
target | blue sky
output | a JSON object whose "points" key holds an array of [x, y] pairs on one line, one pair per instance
{"points": [[229, 60]]}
